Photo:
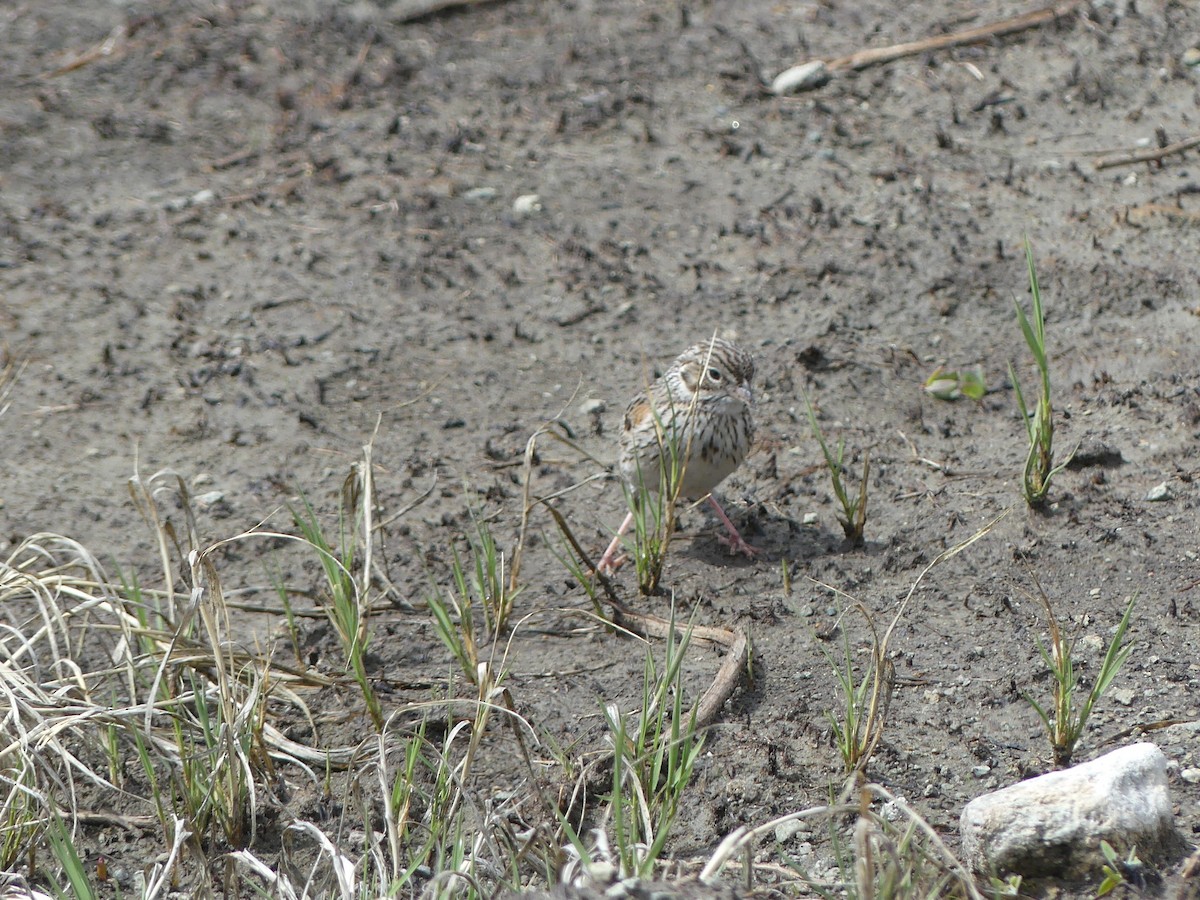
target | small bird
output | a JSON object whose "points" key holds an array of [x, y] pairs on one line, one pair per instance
{"points": [[702, 405]]}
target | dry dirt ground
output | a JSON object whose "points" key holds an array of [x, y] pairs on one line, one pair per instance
{"points": [[239, 239]]}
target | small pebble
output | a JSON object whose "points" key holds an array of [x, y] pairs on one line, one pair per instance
{"points": [[200, 198], [526, 205], [1191, 775], [981, 771], [787, 830], [892, 811], [1159, 492], [209, 499], [592, 407], [810, 518], [1124, 696], [1191, 57], [480, 194], [1091, 644]]}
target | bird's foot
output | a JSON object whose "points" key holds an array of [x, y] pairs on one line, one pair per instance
{"points": [[733, 540], [737, 544], [613, 558]]}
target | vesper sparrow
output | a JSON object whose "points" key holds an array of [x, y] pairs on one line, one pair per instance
{"points": [[702, 406]]}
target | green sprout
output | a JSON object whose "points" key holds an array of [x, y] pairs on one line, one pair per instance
{"points": [[946, 385], [1065, 719], [853, 517], [1039, 468]]}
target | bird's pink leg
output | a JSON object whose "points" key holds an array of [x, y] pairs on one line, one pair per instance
{"points": [[609, 562], [734, 541]]}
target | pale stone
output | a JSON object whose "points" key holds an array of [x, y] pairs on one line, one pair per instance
{"points": [[1159, 492], [1124, 696], [209, 499], [1053, 824], [526, 205], [787, 830]]}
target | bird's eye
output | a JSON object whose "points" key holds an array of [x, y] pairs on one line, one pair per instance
{"points": [[714, 375]]}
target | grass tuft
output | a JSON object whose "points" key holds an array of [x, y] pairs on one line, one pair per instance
{"points": [[853, 517], [1065, 717], [858, 723], [889, 852], [1039, 469], [347, 570]]}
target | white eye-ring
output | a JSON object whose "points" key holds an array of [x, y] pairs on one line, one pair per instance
{"points": [[714, 374]]}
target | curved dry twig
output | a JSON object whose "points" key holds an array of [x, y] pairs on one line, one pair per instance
{"points": [[728, 675]]}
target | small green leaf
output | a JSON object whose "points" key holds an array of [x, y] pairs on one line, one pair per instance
{"points": [[972, 386], [943, 387], [951, 385]]}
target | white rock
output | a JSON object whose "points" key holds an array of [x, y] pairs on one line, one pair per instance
{"points": [[209, 499], [786, 830], [1124, 696], [1053, 824], [810, 518], [893, 810], [592, 407], [803, 77], [1159, 492], [1090, 645], [526, 205], [1191, 775]]}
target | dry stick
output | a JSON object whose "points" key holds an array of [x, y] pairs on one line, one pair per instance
{"points": [[413, 10], [581, 553], [1146, 212], [876, 55], [725, 681], [105, 48], [1153, 154], [1191, 868], [728, 675]]}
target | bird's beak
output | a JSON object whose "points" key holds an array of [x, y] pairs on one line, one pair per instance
{"points": [[746, 394]]}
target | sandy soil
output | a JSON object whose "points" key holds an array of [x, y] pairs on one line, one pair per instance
{"points": [[253, 235]]}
